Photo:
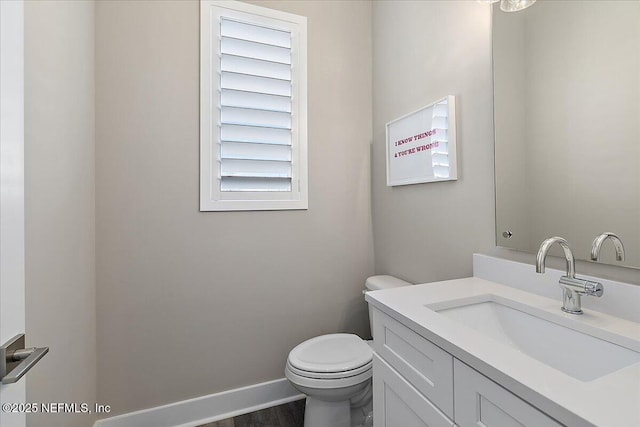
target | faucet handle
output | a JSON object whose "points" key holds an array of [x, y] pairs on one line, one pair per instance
{"points": [[582, 286], [593, 288]]}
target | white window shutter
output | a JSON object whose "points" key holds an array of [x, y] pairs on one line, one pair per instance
{"points": [[253, 108]]}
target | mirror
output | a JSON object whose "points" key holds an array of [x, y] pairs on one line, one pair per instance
{"points": [[567, 125]]}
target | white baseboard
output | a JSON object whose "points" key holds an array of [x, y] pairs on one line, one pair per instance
{"points": [[208, 409]]}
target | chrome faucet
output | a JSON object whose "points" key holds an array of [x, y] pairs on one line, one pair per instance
{"points": [[617, 244], [572, 287]]}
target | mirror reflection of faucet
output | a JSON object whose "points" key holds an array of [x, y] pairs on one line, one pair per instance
{"points": [[597, 246], [572, 287]]}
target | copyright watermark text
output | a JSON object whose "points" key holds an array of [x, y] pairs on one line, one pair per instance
{"points": [[56, 408]]}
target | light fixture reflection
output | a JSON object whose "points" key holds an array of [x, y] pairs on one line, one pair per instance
{"points": [[515, 5], [488, 1]]}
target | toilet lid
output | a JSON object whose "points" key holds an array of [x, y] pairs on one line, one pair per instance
{"points": [[331, 353]]}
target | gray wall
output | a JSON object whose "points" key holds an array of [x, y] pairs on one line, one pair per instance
{"points": [[193, 303], [59, 218], [422, 52]]}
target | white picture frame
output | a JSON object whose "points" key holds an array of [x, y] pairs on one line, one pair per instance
{"points": [[421, 145]]}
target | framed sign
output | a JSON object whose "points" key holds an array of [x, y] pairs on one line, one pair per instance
{"points": [[421, 146]]}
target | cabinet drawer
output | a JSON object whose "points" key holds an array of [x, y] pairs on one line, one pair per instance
{"points": [[426, 366], [397, 404], [481, 402]]}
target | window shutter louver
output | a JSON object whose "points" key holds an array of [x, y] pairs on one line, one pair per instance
{"points": [[255, 108]]}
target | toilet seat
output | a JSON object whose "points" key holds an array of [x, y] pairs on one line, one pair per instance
{"points": [[331, 354], [330, 375], [330, 361], [328, 383]]}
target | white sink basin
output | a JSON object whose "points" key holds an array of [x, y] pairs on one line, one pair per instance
{"points": [[551, 340]]}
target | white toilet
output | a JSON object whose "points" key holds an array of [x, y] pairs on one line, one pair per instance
{"points": [[335, 371]]}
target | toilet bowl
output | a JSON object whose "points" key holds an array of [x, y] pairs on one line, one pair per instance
{"points": [[335, 372]]}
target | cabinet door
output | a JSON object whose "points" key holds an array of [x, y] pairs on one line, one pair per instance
{"points": [[396, 403], [481, 402], [426, 366]]}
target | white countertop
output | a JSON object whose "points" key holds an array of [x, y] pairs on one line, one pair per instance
{"points": [[611, 400]]}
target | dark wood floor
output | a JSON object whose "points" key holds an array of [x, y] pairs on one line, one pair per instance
{"points": [[287, 415]]}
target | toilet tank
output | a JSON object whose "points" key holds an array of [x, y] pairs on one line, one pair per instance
{"points": [[375, 283]]}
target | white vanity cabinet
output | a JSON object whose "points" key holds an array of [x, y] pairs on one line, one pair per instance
{"points": [[417, 384]]}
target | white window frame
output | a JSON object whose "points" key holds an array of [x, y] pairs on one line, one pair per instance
{"points": [[211, 198]]}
